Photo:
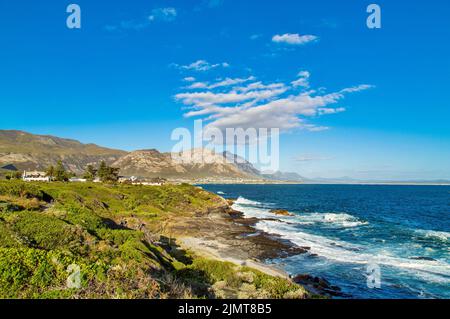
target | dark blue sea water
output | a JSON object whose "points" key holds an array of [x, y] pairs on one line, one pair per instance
{"points": [[353, 229]]}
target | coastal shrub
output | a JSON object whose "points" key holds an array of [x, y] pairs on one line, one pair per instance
{"points": [[24, 272], [119, 236], [231, 281], [85, 218], [300, 293], [45, 232], [129, 281], [80, 225], [277, 287], [21, 189], [136, 251], [13, 204], [8, 238], [6, 207], [218, 271]]}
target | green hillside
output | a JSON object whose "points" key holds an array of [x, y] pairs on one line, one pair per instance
{"points": [[115, 235], [29, 151]]}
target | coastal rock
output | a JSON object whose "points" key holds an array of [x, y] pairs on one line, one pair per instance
{"points": [[423, 258], [318, 285], [234, 213], [281, 212]]}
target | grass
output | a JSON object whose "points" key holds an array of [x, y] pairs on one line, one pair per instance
{"points": [[106, 231], [231, 281]]}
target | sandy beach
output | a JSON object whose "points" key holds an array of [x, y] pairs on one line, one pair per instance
{"points": [[219, 251]]}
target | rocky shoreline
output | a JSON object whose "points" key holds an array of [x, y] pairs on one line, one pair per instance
{"points": [[228, 235]]}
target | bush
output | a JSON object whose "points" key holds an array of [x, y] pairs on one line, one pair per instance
{"points": [[24, 272], [45, 232], [7, 237], [21, 189]]}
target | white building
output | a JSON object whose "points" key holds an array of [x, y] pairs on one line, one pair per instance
{"points": [[35, 176], [77, 180], [126, 179], [142, 181]]}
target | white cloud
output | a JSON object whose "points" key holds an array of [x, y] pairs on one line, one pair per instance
{"points": [[159, 14], [163, 14], [293, 38], [229, 81], [198, 85], [303, 79], [327, 110], [189, 79], [260, 86], [220, 84], [201, 66], [358, 88], [261, 105]]}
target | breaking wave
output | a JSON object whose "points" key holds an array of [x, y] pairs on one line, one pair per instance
{"points": [[258, 209], [244, 201], [338, 250], [439, 235]]}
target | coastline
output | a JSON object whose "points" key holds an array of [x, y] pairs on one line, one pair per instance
{"points": [[342, 240], [212, 249], [148, 242], [225, 233], [231, 237]]}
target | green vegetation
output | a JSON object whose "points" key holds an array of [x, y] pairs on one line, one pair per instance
{"points": [[111, 233], [231, 281], [91, 173], [30, 152], [107, 174], [13, 175]]}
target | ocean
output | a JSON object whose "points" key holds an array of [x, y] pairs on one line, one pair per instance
{"points": [[372, 241]]}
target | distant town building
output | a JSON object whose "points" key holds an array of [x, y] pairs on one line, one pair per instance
{"points": [[35, 176], [77, 180], [126, 179], [133, 180]]}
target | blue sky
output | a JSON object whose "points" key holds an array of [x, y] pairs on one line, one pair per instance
{"points": [[118, 81]]}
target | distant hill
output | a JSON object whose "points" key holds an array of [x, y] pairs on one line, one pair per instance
{"points": [[284, 176], [201, 163], [28, 151], [242, 164]]}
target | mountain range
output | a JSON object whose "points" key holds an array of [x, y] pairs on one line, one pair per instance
{"points": [[26, 151], [36, 152]]}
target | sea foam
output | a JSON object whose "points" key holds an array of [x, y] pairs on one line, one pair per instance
{"points": [[337, 250]]}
